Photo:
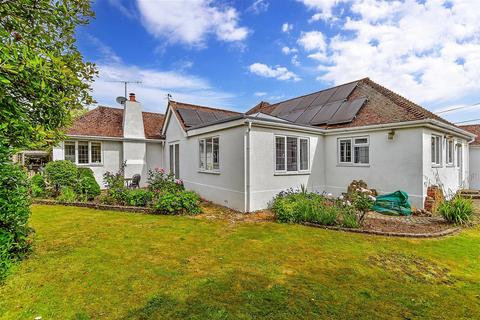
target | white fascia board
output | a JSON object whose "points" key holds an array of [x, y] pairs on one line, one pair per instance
{"points": [[215, 127], [118, 139]]}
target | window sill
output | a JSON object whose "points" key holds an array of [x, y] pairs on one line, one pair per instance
{"points": [[89, 164], [437, 166], [361, 165], [209, 172], [292, 173], [450, 165]]}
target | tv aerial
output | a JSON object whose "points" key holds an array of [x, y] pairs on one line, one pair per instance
{"points": [[125, 83]]}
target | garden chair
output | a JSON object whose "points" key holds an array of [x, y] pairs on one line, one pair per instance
{"points": [[134, 182]]}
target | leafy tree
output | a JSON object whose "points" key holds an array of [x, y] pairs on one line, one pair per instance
{"points": [[43, 81], [43, 78]]}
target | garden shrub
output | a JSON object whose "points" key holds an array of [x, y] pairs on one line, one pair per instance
{"points": [[160, 181], [37, 186], [459, 210], [67, 194], [61, 173], [293, 206], [14, 214], [87, 186], [179, 202], [137, 197]]}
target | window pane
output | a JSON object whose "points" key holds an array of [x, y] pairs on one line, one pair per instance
{"points": [[346, 150], [361, 140], [177, 161], [438, 149], [303, 154], [216, 154], [209, 149], [280, 153], [83, 152], [70, 151], [361, 154], [292, 154], [96, 150], [433, 150], [201, 148], [171, 155]]}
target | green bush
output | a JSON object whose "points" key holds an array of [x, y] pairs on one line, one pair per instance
{"points": [[37, 186], [67, 194], [458, 210], [14, 214], [61, 173], [137, 197], [160, 181], [87, 186], [297, 207], [179, 202]]}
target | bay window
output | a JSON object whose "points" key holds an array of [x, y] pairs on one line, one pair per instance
{"points": [[291, 154], [209, 154], [354, 151]]}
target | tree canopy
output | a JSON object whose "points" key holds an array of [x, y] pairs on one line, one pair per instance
{"points": [[43, 77]]}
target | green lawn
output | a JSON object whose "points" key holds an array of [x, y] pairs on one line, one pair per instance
{"points": [[90, 264]]}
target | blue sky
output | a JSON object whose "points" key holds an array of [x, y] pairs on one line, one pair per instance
{"points": [[233, 54]]}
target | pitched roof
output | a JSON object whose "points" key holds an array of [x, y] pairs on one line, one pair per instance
{"points": [[358, 103], [191, 115], [108, 122], [475, 129]]}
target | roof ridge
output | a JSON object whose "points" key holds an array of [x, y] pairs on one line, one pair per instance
{"points": [[204, 107], [421, 111], [339, 85]]}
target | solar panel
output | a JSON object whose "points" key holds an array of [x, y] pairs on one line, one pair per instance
{"points": [[324, 96], [206, 116], [190, 117], [286, 107], [343, 92], [306, 101], [347, 111], [222, 115], [326, 113], [292, 116], [308, 115]]}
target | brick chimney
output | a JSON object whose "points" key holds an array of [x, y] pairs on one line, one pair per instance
{"points": [[133, 118]]}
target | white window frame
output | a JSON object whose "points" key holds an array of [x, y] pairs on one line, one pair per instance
{"points": [[172, 159], [89, 163], [285, 171], [205, 169], [353, 144], [437, 146], [450, 147]]}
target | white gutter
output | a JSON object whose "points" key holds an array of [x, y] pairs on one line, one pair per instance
{"points": [[119, 139]]}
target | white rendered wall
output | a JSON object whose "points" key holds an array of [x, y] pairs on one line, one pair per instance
{"points": [[224, 188], [134, 155], [112, 154], [444, 175], [474, 163], [264, 182], [394, 164]]}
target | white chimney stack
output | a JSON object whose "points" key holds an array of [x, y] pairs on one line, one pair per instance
{"points": [[133, 119]]}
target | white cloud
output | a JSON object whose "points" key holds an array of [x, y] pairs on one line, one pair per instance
{"points": [[277, 72], [287, 27], [312, 40], [258, 6], [191, 21], [260, 94], [428, 52], [324, 8], [154, 87], [286, 50]]}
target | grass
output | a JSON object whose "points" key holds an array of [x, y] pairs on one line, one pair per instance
{"points": [[90, 264]]}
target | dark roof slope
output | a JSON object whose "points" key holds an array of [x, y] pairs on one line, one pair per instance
{"points": [[108, 122], [475, 129], [191, 115], [357, 103]]}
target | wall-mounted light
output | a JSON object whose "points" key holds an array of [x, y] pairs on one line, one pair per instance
{"points": [[391, 134]]}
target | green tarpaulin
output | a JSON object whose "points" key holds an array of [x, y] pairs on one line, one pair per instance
{"points": [[393, 203]]}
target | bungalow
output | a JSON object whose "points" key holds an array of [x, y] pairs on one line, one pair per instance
{"points": [[323, 140]]}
